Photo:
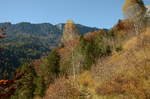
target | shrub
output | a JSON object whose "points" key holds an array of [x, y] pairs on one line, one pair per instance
{"points": [[119, 48]]}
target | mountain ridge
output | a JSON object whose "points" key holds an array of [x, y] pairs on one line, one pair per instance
{"points": [[41, 28]]}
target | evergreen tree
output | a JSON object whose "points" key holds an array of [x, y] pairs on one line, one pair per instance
{"points": [[51, 68]]}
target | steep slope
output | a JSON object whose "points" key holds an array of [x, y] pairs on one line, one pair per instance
{"points": [[125, 74], [135, 50]]}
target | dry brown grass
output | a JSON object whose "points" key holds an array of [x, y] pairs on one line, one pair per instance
{"points": [[128, 72]]}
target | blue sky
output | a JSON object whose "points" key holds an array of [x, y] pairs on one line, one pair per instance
{"points": [[95, 13]]}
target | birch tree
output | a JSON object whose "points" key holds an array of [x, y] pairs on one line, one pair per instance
{"points": [[70, 39]]}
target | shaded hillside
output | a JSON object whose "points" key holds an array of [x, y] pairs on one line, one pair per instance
{"points": [[20, 49]]}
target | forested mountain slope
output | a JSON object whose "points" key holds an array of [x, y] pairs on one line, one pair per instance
{"points": [[26, 41]]}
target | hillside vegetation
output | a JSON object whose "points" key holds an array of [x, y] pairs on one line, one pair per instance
{"points": [[104, 64], [121, 75]]}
